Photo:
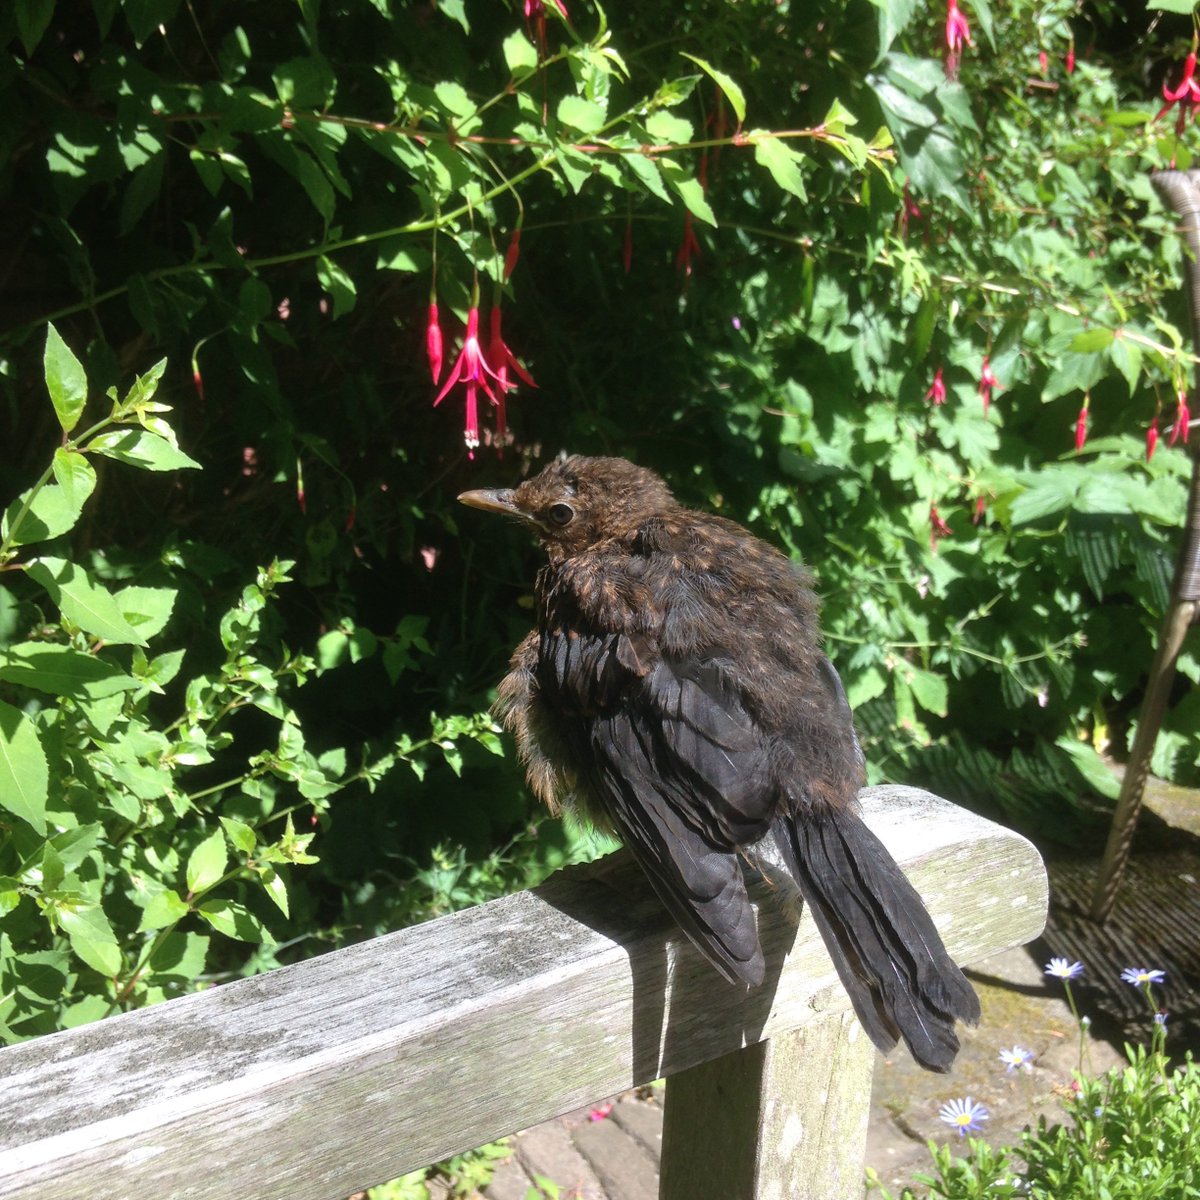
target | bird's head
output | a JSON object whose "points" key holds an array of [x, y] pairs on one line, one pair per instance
{"points": [[578, 502]]}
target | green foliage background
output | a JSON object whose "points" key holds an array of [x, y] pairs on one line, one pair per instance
{"points": [[246, 656]]}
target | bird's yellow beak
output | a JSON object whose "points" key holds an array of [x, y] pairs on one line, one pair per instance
{"points": [[498, 500]]}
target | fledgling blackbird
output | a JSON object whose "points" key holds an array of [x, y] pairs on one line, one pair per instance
{"points": [[675, 691]]}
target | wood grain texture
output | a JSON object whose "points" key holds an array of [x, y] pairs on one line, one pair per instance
{"points": [[783, 1120], [322, 1078]]}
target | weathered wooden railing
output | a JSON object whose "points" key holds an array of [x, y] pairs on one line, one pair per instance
{"points": [[320, 1079]]}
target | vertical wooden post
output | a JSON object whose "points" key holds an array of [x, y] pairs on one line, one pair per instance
{"points": [[782, 1120]]}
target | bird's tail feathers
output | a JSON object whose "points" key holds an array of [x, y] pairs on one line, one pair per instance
{"points": [[883, 942]]}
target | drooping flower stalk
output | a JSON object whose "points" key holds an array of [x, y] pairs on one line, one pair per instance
{"points": [[433, 342]]}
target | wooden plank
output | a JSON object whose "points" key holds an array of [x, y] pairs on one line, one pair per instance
{"points": [[318, 1079], [783, 1120]]}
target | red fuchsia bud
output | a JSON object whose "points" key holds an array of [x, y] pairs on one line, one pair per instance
{"points": [[937, 528], [1151, 439], [687, 247], [980, 509], [300, 502], [513, 252], [433, 343], [1070, 64], [351, 517], [198, 381], [1183, 418], [937, 389], [627, 248], [1043, 63], [1081, 427]]}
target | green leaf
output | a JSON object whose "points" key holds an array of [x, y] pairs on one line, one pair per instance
{"points": [[24, 773], [667, 127], [74, 474], [689, 190], [63, 671], [147, 609], [206, 864], [581, 114], [92, 938], [783, 162], [520, 54], [164, 908], [274, 886], [141, 448], [307, 82], [234, 920], [32, 18], [1126, 356], [338, 284], [241, 835], [66, 380], [894, 17], [1090, 340], [1182, 7], [929, 690], [733, 93], [82, 601], [1091, 766], [454, 99], [48, 513]]}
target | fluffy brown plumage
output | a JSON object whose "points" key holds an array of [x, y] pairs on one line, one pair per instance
{"points": [[675, 690]]}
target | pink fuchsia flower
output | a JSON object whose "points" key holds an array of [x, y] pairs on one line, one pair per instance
{"points": [[1070, 63], [1043, 63], [1183, 418], [471, 369], [909, 211], [504, 360], [937, 389], [601, 1111], [1186, 95], [937, 528], [1081, 424], [1151, 439], [987, 383], [980, 509], [957, 32], [433, 342]]}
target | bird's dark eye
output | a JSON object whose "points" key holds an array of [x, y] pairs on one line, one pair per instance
{"points": [[561, 514]]}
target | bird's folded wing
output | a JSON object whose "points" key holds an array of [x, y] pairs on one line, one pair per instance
{"points": [[676, 764]]}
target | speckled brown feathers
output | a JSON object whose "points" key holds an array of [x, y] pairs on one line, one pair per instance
{"points": [[675, 691]]}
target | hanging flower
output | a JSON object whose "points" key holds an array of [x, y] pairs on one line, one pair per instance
{"points": [[980, 509], [1070, 63], [1081, 423], [471, 369], [433, 342], [987, 382], [937, 389], [909, 210], [1151, 439], [1043, 63], [1186, 95], [957, 32], [687, 246], [1183, 418], [937, 528], [503, 359], [512, 253]]}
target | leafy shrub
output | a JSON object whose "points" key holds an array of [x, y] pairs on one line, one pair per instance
{"points": [[745, 266]]}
